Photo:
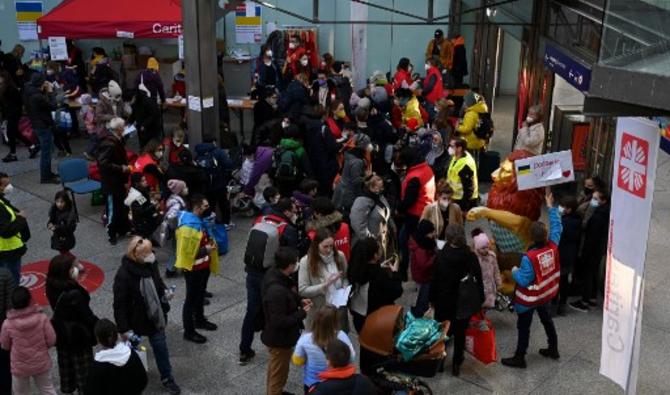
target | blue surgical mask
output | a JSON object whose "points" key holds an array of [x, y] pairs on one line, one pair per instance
{"points": [[594, 202]]}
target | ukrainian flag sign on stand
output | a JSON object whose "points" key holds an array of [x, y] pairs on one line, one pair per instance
{"points": [[27, 13], [544, 170], [248, 23]]}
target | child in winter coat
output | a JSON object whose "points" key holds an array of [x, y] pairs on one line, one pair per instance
{"points": [[144, 210], [116, 369], [62, 224], [88, 116], [27, 333], [489, 265], [423, 250], [175, 204]]}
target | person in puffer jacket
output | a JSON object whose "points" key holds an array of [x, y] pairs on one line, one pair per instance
{"points": [[423, 250], [144, 210], [174, 204], [489, 265], [28, 335]]}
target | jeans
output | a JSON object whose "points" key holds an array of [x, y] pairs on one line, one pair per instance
{"points": [[117, 215], [422, 303], [159, 346], [194, 308], [406, 231], [172, 259], [253, 282], [524, 320], [46, 138], [14, 267], [591, 263]]}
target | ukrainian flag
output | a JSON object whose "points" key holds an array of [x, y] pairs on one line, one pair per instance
{"points": [[28, 11], [523, 170]]}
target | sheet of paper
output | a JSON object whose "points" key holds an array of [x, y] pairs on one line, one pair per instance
{"points": [[194, 103], [235, 102], [129, 130], [208, 102], [554, 173], [339, 297], [57, 48]]}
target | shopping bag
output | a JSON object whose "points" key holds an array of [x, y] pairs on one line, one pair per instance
{"points": [[480, 339]]}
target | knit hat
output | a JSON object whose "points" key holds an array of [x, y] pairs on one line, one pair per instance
{"points": [[152, 64], [114, 89], [37, 80], [378, 78], [379, 94], [481, 241], [470, 99], [176, 186], [86, 99]]}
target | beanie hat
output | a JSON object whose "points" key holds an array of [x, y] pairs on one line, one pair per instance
{"points": [[379, 94], [176, 186], [470, 99], [152, 64], [481, 240], [114, 89], [86, 99]]}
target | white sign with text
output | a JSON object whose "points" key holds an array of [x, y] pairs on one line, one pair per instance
{"points": [[544, 170]]}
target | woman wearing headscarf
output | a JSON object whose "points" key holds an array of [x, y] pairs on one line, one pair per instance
{"points": [[438, 157]]}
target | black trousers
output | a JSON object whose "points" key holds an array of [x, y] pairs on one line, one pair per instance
{"points": [[523, 322], [5, 373], [117, 214], [457, 331], [194, 308], [591, 263], [220, 199], [62, 141]]}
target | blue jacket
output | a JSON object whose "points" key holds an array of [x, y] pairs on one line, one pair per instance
{"points": [[219, 176], [525, 275]]}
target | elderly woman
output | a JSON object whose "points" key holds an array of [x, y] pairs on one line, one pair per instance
{"points": [[531, 135], [371, 215], [141, 304]]}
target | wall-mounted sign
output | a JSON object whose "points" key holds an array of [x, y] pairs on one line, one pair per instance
{"points": [[569, 69]]}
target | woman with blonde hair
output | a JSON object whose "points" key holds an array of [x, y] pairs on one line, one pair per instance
{"points": [[322, 271], [309, 352]]}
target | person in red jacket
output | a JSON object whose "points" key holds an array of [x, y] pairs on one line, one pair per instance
{"points": [[423, 249], [294, 53], [324, 215], [432, 84], [403, 74], [149, 164]]}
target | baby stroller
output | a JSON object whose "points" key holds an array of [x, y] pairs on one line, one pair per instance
{"points": [[381, 361]]}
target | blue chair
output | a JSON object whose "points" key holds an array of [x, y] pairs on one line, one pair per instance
{"points": [[73, 175]]}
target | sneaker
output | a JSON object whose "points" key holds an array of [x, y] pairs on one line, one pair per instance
{"points": [[195, 337], [208, 294], [33, 151], [171, 386], [205, 325], [550, 353], [517, 361], [10, 158], [579, 306], [245, 358]]}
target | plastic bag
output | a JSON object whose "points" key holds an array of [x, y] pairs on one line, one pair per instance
{"points": [[419, 334], [480, 339]]}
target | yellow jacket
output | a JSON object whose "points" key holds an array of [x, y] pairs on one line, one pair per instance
{"points": [[412, 111], [468, 124], [189, 233], [446, 52]]}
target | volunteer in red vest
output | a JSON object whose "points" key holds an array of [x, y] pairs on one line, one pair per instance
{"points": [[462, 175], [149, 164], [417, 191], [294, 53], [537, 283], [324, 215], [432, 84]]}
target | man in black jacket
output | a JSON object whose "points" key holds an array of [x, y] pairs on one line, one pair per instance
{"points": [[114, 170], [595, 244], [141, 304], [284, 312], [40, 101]]}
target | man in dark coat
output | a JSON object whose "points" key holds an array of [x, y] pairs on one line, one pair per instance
{"points": [[321, 147], [294, 97], [341, 376], [40, 101], [568, 248], [284, 312], [114, 171], [140, 304]]}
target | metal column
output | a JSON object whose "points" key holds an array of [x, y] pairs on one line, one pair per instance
{"points": [[199, 19], [455, 10]]}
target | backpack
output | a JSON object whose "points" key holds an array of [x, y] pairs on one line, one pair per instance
{"points": [[484, 129], [208, 162], [263, 242], [285, 165]]}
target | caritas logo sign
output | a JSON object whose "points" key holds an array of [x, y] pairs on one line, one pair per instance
{"points": [[633, 165]]}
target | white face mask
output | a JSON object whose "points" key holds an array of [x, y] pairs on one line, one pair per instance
{"points": [[285, 124], [427, 66], [267, 62], [292, 45], [177, 144], [451, 151], [294, 218], [304, 62], [370, 148], [594, 202], [159, 154], [74, 273], [529, 120], [444, 203], [8, 189], [268, 53], [50, 72], [151, 258]]}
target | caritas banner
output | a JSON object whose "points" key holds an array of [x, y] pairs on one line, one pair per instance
{"points": [[635, 154]]}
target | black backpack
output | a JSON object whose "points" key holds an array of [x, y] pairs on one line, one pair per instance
{"points": [[208, 162], [484, 129]]}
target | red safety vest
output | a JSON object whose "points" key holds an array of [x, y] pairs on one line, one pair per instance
{"points": [[143, 161], [427, 191], [438, 91], [342, 239], [547, 268]]}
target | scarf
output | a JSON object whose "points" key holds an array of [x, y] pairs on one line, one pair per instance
{"points": [[338, 373], [434, 154], [153, 302]]}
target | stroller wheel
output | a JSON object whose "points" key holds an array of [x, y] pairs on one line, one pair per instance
{"points": [[421, 388]]}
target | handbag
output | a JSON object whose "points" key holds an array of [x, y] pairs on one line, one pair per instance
{"points": [[469, 297], [480, 339]]}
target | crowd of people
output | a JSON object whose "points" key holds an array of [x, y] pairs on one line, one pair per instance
{"points": [[366, 189]]}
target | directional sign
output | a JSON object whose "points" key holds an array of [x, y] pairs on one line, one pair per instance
{"points": [[572, 71]]}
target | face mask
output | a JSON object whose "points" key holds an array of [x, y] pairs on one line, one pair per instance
{"points": [[8, 189], [452, 151], [268, 53], [292, 45], [529, 119], [273, 102], [322, 82], [159, 154], [151, 258], [294, 218], [304, 62], [50, 72], [340, 114], [370, 148], [561, 210], [285, 124], [74, 273], [435, 146], [427, 66], [594, 202], [444, 203], [410, 68], [177, 144]]}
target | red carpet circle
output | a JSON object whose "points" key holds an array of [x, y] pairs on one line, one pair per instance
{"points": [[34, 277]]}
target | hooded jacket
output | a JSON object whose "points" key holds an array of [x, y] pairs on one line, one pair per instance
{"points": [[446, 55], [117, 370], [335, 223], [282, 309], [371, 218], [469, 124], [145, 215], [65, 223], [321, 150], [130, 309], [490, 277], [433, 213], [74, 306], [28, 335], [353, 177], [262, 163], [218, 177]]}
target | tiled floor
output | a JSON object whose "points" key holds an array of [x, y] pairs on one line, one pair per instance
{"points": [[212, 368]]}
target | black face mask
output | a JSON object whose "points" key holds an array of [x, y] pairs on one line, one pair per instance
{"points": [[207, 213], [588, 191]]}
